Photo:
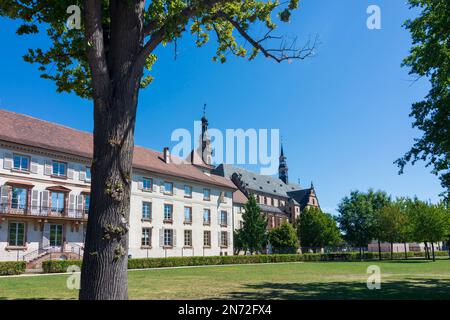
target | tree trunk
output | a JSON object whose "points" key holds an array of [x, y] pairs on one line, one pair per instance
{"points": [[432, 250], [392, 251], [116, 71], [406, 254], [427, 254], [379, 250], [360, 254], [104, 272]]}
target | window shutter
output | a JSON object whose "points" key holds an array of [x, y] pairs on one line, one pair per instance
{"points": [[174, 237], [82, 175], [161, 237], [71, 205], [80, 203], [174, 190], [46, 235], [228, 239], [154, 187], [222, 197], [4, 198], [228, 219], [70, 171], [45, 199], [219, 242], [8, 161], [218, 217], [34, 165], [140, 183], [161, 189], [35, 201], [48, 168]]}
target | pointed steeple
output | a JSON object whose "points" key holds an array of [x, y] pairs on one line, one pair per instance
{"points": [[312, 185], [283, 168], [205, 140]]}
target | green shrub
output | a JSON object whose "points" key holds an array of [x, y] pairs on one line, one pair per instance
{"points": [[12, 267], [59, 266]]}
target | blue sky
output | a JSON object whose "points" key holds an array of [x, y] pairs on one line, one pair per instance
{"points": [[343, 114]]}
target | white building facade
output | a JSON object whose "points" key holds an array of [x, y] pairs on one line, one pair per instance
{"points": [[176, 209]]}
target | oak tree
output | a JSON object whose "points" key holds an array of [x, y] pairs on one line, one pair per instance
{"points": [[108, 60]]}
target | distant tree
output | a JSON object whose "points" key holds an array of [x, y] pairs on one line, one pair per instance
{"points": [[430, 222], [392, 224], [238, 242], [283, 239], [430, 57], [357, 216], [317, 229], [254, 230]]}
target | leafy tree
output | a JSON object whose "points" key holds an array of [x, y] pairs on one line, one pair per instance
{"points": [[317, 229], [393, 223], [108, 60], [357, 216], [254, 229], [430, 57], [238, 242], [284, 239], [430, 222]]}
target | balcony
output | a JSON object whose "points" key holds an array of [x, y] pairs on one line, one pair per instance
{"points": [[19, 210]]}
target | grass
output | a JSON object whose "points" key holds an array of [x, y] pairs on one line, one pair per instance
{"points": [[416, 279]]}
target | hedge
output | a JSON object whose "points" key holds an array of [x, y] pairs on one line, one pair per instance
{"points": [[12, 268], [58, 266]]}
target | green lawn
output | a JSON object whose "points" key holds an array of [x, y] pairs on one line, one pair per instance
{"points": [[417, 279]]}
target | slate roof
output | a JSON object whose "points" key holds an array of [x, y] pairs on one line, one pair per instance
{"points": [[29, 131], [301, 196], [257, 182]]}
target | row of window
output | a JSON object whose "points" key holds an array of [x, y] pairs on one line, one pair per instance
{"points": [[17, 234], [58, 168], [168, 238], [274, 202], [168, 189], [17, 198], [168, 214]]}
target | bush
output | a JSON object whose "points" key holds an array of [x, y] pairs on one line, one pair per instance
{"points": [[60, 266], [12, 268]]}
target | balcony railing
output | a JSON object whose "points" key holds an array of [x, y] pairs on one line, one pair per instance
{"points": [[41, 211]]}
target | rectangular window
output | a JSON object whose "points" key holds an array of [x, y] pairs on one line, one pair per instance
{"points": [[187, 215], [168, 212], [223, 218], [88, 174], [188, 238], [207, 238], [17, 234], [147, 184], [187, 191], [56, 235], [146, 237], [59, 169], [146, 210], [19, 197], [58, 202], [21, 163], [206, 216], [168, 237], [168, 188], [224, 239], [206, 194], [87, 202]]}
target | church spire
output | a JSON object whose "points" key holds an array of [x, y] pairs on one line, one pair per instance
{"points": [[205, 140], [283, 168]]}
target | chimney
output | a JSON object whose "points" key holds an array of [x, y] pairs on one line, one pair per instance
{"points": [[166, 153]]}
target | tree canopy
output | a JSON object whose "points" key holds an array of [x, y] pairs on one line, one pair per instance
{"points": [[430, 57], [283, 239], [254, 230]]}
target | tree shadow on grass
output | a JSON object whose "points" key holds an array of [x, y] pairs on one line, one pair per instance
{"points": [[410, 288]]}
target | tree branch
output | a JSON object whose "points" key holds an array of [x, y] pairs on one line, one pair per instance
{"points": [[285, 52], [95, 46]]}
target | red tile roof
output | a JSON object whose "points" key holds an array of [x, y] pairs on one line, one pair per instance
{"points": [[26, 130], [239, 197]]}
